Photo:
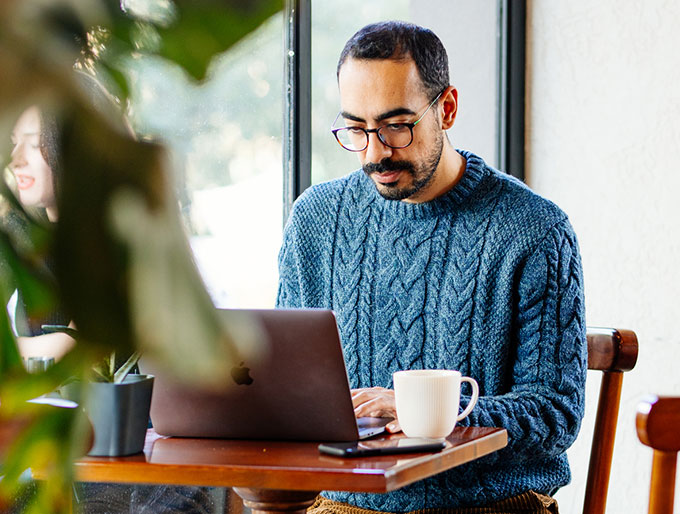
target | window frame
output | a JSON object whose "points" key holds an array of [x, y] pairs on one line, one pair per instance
{"points": [[297, 122], [512, 87]]}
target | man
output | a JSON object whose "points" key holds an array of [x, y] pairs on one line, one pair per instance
{"points": [[432, 259]]}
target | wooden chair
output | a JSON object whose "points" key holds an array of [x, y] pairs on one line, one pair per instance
{"points": [[612, 351], [658, 426]]}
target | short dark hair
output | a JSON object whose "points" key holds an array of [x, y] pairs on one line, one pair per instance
{"points": [[401, 40]]}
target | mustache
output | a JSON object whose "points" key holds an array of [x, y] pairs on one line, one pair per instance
{"points": [[388, 165]]}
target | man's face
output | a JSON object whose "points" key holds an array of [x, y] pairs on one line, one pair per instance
{"points": [[32, 173], [378, 92]]}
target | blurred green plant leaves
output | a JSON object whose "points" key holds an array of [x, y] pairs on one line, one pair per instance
{"points": [[10, 360], [110, 298], [45, 439], [29, 275]]}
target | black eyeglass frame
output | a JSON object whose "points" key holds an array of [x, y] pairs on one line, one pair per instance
{"points": [[378, 129]]}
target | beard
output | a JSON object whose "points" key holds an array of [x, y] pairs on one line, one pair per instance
{"points": [[421, 174]]}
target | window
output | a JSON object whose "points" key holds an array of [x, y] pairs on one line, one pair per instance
{"points": [[225, 140], [246, 145]]}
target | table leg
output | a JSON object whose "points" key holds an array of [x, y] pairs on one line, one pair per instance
{"points": [[233, 503], [276, 501]]}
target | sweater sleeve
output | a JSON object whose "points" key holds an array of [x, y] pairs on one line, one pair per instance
{"points": [[305, 255], [289, 288], [545, 404]]}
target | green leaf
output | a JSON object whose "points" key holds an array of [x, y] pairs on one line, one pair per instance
{"points": [[119, 79], [98, 158], [17, 386], [200, 31], [8, 196], [123, 371], [207, 28], [10, 359], [107, 371], [36, 286], [102, 371], [24, 245], [120, 24], [44, 442]]}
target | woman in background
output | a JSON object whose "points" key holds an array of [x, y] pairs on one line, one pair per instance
{"points": [[35, 168]]}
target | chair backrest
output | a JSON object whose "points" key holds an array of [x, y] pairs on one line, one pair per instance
{"points": [[612, 351], [658, 426]]}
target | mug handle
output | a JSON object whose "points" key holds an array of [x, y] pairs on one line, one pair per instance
{"points": [[473, 399]]}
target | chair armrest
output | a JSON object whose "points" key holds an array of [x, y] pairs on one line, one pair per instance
{"points": [[611, 349]]}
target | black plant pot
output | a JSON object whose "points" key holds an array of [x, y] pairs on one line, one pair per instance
{"points": [[119, 414]]}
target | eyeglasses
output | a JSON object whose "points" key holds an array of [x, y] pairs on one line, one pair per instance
{"points": [[394, 135]]}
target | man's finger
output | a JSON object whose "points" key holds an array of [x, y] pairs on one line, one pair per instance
{"points": [[373, 407], [364, 395], [393, 427], [377, 407]]}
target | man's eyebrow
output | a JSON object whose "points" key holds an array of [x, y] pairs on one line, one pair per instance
{"points": [[394, 112], [351, 117], [381, 117]]}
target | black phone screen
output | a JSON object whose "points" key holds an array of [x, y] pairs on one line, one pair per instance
{"points": [[382, 447]]}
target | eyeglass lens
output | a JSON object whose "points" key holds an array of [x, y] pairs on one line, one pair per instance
{"points": [[394, 135]]}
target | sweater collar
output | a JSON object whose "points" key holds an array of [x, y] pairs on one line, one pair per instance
{"points": [[475, 171]]}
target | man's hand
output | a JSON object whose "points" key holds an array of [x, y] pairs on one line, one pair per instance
{"points": [[377, 402]]}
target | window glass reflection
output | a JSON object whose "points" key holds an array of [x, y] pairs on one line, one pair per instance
{"points": [[224, 137]]}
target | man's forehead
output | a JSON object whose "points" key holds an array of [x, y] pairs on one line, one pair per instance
{"points": [[389, 74], [371, 88]]}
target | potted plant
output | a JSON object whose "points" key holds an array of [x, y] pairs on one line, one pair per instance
{"points": [[116, 402], [118, 407]]}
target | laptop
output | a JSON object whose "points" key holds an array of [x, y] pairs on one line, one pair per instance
{"points": [[297, 389]]}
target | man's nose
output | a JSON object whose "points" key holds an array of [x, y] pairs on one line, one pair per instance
{"points": [[376, 151]]}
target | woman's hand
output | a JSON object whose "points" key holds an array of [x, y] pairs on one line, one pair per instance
{"points": [[376, 402], [46, 345]]}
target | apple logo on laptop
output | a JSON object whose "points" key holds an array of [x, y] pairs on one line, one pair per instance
{"points": [[241, 375]]}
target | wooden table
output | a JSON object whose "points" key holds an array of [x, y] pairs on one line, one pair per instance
{"points": [[280, 476]]}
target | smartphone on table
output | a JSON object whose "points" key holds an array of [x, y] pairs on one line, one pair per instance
{"points": [[382, 447]]}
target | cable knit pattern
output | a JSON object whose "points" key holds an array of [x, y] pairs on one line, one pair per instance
{"points": [[485, 279]]}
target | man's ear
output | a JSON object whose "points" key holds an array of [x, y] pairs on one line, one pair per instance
{"points": [[450, 107]]}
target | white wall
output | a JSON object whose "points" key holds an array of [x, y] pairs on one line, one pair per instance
{"points": [[603, 142]]}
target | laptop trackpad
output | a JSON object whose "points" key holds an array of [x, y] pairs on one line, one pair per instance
{"points": [[369, 427]]}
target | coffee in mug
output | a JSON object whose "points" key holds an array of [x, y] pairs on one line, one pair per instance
{"points": [[428, 400]]}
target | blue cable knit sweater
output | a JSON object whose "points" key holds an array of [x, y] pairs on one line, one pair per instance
{"points": [[485, 279]]}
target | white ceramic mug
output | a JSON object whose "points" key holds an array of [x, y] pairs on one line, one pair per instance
{"points": [[428, 400]]}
